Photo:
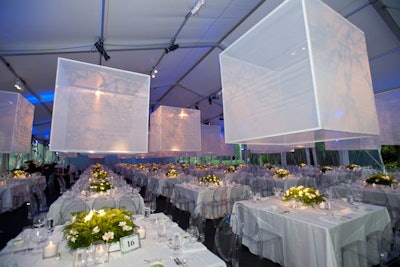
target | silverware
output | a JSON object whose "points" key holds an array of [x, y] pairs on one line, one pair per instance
{"points": [[16, 251]]}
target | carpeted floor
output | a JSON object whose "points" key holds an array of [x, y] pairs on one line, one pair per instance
{"points": [[11, 223]]}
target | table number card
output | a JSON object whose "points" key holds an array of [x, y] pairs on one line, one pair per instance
{"points": [[129, 243]]}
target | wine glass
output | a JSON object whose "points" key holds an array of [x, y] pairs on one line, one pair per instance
{"points": [[162, 229], [194, 234], [153, 206], [39, 220]]}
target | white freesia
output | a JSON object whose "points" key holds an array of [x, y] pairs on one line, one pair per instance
{"points": [[96, 230], [89, 216], [101, 212], [108, 235]]}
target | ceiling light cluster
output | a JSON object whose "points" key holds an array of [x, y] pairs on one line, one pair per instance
{"points": [[154, 72], [172, 47]]}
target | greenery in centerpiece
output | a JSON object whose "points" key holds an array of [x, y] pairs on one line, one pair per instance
{"points": [[100, 185], [201, 166], [153, 169], [19, 174], [324, 169], [382, 179], [230, 169], [86, 227], [269, 166], [210, 179], [101, 174], [281, 173], [307, 195], [171, 173], [302, 165], [352, 166], [97, 167]]}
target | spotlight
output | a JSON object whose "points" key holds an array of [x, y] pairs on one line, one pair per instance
{"points": [[196, 107], [154, 71], [100, 48], [19, 84], [172, 47], [197, 6], [209, 100]]}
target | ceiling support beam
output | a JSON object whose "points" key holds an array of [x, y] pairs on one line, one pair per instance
{"points": [[387, 18]]}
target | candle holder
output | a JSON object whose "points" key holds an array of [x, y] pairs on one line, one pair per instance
{"points": [[50, 250]]}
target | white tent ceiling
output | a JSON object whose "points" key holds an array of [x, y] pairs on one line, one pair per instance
{"points": [[136, 33]]}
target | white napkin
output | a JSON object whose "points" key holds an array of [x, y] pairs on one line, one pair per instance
{"points": [[197, 246]]}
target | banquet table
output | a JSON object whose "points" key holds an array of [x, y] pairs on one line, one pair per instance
{"points": [[151, 249], [57, 206], [201, 195], [285, 183], [13, 193], [158, 182], [312, 236]]}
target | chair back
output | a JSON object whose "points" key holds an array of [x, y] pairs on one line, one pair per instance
{"points": [[228, 239], [131, 202], [104, 201]]}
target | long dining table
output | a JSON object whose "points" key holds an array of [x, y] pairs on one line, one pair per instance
{"points": [[314, 236], [202, 196], [151, 250]]}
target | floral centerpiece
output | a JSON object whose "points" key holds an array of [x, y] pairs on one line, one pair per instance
{"points": [[86, 227], [352, 166], [142, 167], [100, 185], [19, 174], [97, 167], [269, 166], [307, 195], [171, 173], [210, 179], [302, 165], [100, 174], [201, 166], [382, 179], [230, 169], [326, 169], [185, 165], [153, 169], [281, 173]]}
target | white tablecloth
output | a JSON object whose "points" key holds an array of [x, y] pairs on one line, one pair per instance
{"points": [[310, 236], [202, 195], [13, 194], [56, 207], [150, 249], [158, 182]]}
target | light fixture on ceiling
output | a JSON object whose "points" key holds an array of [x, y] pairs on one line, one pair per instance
{"points": [[209, 100], [154, 71], [19, 84], [221, 117], [196, 7], [172, 47], [197, 107], [100, 48]]}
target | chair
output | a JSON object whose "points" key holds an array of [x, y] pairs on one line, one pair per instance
{"points": [[104, 201], [131, 202], [73, 205], [228, 239], [259, 234], [390, 245], [307, 181], [219, 205], [168, 191]]}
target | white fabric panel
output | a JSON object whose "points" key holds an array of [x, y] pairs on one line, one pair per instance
{"points": [[99, 109], [210, 139], [226, 149], [174, 129], [303, 81], [388, 108], [16, 119]]}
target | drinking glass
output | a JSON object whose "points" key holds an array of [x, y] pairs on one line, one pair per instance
{"points": [[39, 220], [38, 237], [153, 205], [176, 243], [194, 234], [162, 229]]}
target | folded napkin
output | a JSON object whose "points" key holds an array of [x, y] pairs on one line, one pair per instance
{"points": [[197, 246]]}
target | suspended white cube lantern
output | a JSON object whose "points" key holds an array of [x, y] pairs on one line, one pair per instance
{"points": [[210, 139], [226, 149], [352, 144], [302, 81], [269, 149], [99, 109], [16, 120], [174, 129], [388, 108]]}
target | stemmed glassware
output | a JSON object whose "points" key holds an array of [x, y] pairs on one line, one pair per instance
{"points": [[162, 229], [194, 234]]}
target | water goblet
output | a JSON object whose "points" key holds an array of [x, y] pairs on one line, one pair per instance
{"points": [[162, 229], [39, 220], [194, 234], [153, 205]]}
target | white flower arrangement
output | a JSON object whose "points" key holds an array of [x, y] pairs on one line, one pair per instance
{"points": [[86, 227], [308, 195]]}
